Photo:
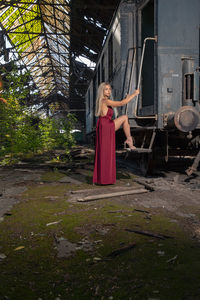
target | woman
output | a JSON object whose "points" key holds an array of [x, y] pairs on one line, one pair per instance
{"points": [[105, 165]]}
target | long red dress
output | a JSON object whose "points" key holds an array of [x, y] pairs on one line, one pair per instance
{"points": [[105, 162]]}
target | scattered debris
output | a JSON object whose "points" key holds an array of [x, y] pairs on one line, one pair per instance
{"points": [[19, 248], [97, 259], [81, 191], [143, 211], [172, 260], [53, 223], [2, 256], [115, 211], [147, 217], [121, 250], [25, 170], [102, 231], [194, 166], [65, 248], [97, 290], [68, 179], [161, 253], [173, 221], [177, 178], [81, 152], [52, 198], [85, 245], [158, 236], [7, 214], [146, 185]]}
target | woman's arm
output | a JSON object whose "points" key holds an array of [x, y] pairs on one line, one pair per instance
{"points": [[122, 102]]}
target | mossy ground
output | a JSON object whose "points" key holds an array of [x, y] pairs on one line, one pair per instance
{"points": [[152, 269]]}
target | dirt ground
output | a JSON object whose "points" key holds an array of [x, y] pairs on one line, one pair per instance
{"points": [[173, 191], [55, 244]]}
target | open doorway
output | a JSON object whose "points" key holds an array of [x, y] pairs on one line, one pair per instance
{"points": [[147, 79]]}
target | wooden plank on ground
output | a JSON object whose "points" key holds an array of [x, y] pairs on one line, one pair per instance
{"points": [[103, 187], [109, 195]]}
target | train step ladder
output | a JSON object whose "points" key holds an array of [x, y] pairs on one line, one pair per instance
{"points": [[149, 149]]}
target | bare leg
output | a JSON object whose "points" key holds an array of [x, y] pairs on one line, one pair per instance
{"points": [[123, 120]]}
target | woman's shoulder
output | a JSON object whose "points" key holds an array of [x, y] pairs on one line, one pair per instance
{"points": [[104, 102]]}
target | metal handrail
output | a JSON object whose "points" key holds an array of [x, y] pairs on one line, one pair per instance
{"points": [[131, 77]]}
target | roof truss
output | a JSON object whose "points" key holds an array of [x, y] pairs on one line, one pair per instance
{"points": [[38, 31]]}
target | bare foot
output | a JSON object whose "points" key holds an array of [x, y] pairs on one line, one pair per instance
{"points": [[129, 142]]}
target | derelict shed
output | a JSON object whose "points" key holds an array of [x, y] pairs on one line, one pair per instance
{"points": [[51, 39]]}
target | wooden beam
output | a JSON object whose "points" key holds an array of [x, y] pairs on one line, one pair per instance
{"points": [[110, 195]]}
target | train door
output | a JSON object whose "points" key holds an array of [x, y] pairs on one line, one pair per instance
{"points": [[147, 87]]}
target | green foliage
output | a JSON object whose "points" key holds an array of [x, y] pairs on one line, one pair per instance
{"points": [[23, 131], [27, 135], [16, 85], [17, 133], [8, 121], [56, 133]]}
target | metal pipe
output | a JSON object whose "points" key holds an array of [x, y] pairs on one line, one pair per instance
{"points": [[139, 77]]}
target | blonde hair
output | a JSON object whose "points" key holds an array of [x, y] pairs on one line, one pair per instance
{"points": [[100, 97]]}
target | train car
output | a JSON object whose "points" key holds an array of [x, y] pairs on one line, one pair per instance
{"points": [[154, 45]]}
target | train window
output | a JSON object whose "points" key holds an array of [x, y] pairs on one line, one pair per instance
{"points": [[102, 69], [188, 86], [110, 57], [147, 26]]}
